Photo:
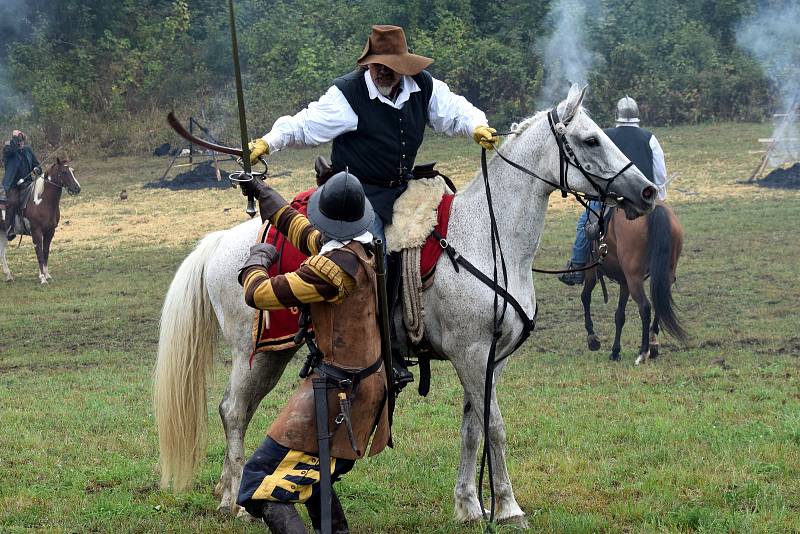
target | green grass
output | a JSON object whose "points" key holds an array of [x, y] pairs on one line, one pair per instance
{"points": [[683, 444]]}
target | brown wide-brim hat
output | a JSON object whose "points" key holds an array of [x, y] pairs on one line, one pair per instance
{"points": [[387, 46]]}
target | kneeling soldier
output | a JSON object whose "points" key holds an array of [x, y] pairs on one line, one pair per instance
{"points": [[338, 281]]}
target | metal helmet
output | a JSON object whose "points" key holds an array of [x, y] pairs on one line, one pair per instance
{"points": [[339, 209], [627, 111]]}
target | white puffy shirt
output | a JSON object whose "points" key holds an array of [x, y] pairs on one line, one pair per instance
{"points": [[331, 115]]}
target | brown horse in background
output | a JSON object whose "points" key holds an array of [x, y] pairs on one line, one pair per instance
{"points": [[648, 246], [42, 214]]}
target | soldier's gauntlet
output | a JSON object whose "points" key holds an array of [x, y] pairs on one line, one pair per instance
{"points": [[261, 255]]}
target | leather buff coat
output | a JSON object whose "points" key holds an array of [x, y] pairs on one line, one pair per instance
{"points": [[348, 335]]}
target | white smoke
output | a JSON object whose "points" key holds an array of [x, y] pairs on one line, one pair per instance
{"points": [[564, 53], [772, 36], [13, 15]]}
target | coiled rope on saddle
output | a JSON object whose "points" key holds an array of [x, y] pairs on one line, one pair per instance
{"points": [[413, 308]]}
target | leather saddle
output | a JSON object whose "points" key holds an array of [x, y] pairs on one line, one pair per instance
{"points": [[324, 171], [592, 227]]}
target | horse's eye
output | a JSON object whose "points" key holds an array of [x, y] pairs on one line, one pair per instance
{"points": [[592, 141]]}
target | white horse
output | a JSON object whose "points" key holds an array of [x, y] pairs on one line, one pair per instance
{"points": [[3, 260], [458, 318]]}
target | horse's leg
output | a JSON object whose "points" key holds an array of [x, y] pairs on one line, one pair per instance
{"points": [[3, 260], [654, 344], [507, 510], [619, 320], [246, 389], [38, 243], [586, 297], [48, 239], [467, 505], [638, 294]]}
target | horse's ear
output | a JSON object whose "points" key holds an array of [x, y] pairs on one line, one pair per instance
{"points": [[58, 161], [573, 101]]}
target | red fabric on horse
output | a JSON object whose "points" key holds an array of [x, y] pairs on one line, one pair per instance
{"points": [[431, 250], [282, 323]]}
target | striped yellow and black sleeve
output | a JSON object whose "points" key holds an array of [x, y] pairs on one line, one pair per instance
{"points": [[329, 277], [298, 230]]}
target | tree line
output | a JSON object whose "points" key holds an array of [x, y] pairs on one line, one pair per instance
{"points": [[106, 71]]}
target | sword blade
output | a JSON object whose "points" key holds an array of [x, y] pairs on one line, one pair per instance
{"points": [[239, 92]]}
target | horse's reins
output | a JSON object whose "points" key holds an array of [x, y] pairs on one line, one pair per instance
{"points": [[566, 158]]}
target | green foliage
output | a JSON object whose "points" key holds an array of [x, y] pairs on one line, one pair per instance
{"points": [[101, 61]]}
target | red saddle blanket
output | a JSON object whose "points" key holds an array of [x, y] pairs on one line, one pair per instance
{"points": [[275, 329]]}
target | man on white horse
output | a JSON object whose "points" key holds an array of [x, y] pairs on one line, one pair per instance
{"points": [[21, 164], [338, 281], [644, 150], [376, 117]]}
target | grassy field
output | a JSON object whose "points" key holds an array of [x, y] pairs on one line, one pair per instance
{"points": [[687, 443]]}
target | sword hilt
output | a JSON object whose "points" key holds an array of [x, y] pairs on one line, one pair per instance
{"points": [[251, 205]]}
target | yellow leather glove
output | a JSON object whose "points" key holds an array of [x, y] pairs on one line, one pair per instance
{"points": [[485, 136], [258, 147]]}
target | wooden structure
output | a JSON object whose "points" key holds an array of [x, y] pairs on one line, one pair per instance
{"points": [[784, 121], [193, 153]]}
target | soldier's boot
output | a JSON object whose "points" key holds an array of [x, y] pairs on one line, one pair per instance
{"points": [[402, 376], [338, 520], [572, 277], [282, 518]]}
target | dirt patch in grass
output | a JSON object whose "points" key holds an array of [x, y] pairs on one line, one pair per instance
{"points": [[203, 176]]}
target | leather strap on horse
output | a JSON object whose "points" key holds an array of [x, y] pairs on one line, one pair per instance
{"points": [[457, 259]]}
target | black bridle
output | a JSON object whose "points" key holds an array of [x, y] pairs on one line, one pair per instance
{"points": [[602, 187], [567, 158], [49, 180]]}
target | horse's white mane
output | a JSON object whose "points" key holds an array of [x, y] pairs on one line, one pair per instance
{"points": [[38, 190], [519, 127]]}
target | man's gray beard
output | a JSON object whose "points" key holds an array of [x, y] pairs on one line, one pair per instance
{"points": [[385, 90]]}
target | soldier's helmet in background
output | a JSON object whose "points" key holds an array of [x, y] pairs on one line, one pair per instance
{"points": [[627, 111]]}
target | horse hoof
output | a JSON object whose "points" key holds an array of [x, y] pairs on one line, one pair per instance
{"points": [[654, 350], [518, 521], [642, 358], [593, 342]]}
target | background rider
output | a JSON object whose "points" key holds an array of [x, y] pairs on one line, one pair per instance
{"points": [[20, 164], [644, 150]]}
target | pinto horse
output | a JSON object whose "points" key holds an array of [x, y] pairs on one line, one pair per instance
{"points": [[204, 297], [42, 214], [648, 246]]}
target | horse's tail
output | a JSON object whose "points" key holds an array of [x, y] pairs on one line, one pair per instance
{"points": [[659, 256], [186, 346]]}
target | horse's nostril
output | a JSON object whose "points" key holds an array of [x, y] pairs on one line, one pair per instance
{"points": [[648, 192]]}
